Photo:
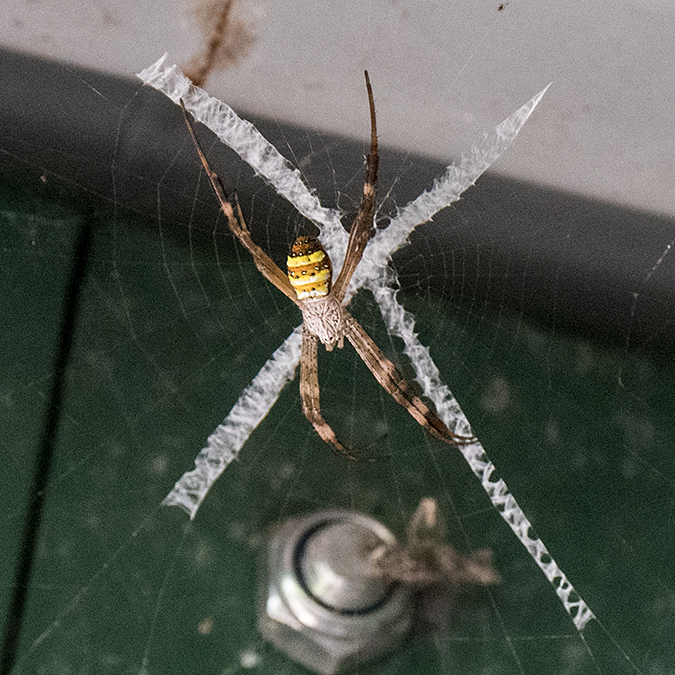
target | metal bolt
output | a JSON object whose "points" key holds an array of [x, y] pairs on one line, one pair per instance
{"points": [[323, 601]]}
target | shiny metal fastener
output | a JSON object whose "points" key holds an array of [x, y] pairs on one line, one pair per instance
{"points": [[322, 600]]}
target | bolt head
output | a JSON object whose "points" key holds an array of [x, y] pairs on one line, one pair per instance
{"points": [[322, 601]]}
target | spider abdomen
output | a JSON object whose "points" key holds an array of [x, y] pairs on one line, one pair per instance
{"points": [[309, 268]]}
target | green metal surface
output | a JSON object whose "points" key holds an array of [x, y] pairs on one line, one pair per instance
{"points": [[168, 336]]}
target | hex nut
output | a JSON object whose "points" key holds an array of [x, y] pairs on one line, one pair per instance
{"points": [[321, 600]]}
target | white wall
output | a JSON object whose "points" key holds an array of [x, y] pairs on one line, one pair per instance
{"points": [[442, 71]]}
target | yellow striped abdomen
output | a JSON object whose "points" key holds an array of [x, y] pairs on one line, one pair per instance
{"points": [[309, 268]]}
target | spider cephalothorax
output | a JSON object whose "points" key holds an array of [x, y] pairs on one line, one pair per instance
{"points": [[309, 284]]}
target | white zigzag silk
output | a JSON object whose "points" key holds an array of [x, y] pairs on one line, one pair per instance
{"points": [[373, 273]]}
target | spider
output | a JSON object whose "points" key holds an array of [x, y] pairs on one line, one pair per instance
{"points": [[309, 284]]}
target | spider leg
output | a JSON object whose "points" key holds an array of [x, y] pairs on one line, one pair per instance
{"points": [[309, 393], [362, 228], [394, 383], [266, 266]]}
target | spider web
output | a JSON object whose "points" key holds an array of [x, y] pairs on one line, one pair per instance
{"points": [[226, 442], [176, 323]]}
